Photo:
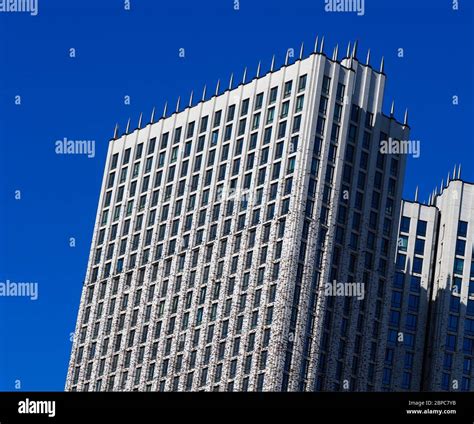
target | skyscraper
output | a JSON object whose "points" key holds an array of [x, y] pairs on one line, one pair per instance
{"points": [[410, 298], [451, 336], [430, 343], [247, 242]]}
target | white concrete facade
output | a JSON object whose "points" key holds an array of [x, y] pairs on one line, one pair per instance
{"points": [[451, 332], [439, 237], [410, 297]]}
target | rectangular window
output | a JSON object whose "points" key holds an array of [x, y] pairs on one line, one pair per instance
{"points": [[217, 119], [419, 246], [299, 104], [273, 95], [190, 131], [164, 140], [462, 229], [230, 113], [460, 247], [296, 124], [323, 105], [270, 115], [421, 228], [415, 284], [340, 92], [139, 151], [126, 156], [177, 135], [417, 265], [401, 260], [326, 84], [245, 107], [287, 89], [369, 120], [203, 125], [320, 125], [458, 266], [405, 224], [258, 101], [355, 113], [302, 83], [403, 243]]}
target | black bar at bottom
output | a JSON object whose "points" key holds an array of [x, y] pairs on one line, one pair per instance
{"points": [[66, 407]]}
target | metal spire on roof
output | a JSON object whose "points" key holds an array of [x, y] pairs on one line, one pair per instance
{"points": [[301, 50], [115, 131], [335, 52], [405, 119], [217, 87], [459, 172], [165, 109], [273, 63], [231, 80], [392, 109], [177, 104], [204, 93], [367, 62], [354, 50], [454, 173], [316, 44], [128, 126], [348, 52], [321, 49], [416, 194], [152, 119], [244, 76], [140, 120], [287, 56], [191, 98], [382, 65]]}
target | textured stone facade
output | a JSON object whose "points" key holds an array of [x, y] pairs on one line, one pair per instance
{"points": [[430, 343], [216, 233]]}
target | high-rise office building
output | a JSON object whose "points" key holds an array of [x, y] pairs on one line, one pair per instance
{"points": [[410, 298], [247, 242], [430, 341]]}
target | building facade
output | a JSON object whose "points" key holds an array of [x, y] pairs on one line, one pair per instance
{"points": [[430, 343], [410, 298], [220, 227]]}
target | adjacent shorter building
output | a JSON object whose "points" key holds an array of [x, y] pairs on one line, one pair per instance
{"points": [[430, 338]]}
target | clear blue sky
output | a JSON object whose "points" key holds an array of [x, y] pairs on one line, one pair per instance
{"points": [[135, 53]]}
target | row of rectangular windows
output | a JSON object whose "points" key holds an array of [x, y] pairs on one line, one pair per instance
{"points": [[215, 123]]}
